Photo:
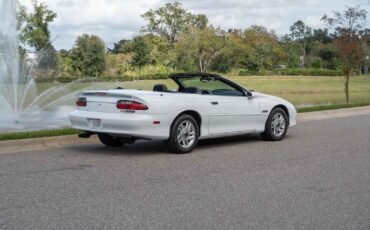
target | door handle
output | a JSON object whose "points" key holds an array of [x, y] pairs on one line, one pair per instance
{"points": [[214, 102]]}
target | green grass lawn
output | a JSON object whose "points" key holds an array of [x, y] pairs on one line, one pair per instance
{"points": [[309, 91], [302, 91]]}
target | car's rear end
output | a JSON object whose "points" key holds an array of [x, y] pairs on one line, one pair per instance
{"points": [[126, 113]]}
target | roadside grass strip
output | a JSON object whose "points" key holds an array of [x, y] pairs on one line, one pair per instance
{"points": [[39, 133]]}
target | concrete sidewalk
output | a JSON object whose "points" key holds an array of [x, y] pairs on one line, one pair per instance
{"points": [[33, 144]]}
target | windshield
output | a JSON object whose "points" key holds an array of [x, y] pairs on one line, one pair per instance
{"points": [[210, 85]]}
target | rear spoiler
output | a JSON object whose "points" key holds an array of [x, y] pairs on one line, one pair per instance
{"points": [[108, 94]]}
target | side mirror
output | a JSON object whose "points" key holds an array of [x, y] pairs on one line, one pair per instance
{"points": [[249, 94]]}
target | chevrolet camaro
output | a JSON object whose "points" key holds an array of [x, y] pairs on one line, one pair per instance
{"points": [[203, 106]]}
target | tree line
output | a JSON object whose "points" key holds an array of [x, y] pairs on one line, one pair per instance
{"points": [[174, 39]]}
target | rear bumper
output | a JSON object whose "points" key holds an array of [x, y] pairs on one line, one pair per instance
{"points": [[134, 125]]}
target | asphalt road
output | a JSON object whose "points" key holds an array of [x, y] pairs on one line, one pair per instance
{"points": [[317, 178]]}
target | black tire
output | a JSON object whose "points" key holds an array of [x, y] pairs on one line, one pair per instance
{"points": [[173, 142], [108, 140], [269, 133]]}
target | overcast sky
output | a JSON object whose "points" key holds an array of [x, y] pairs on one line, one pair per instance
{"points": [[113, 20]]}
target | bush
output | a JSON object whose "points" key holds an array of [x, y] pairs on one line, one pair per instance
{"points": [[293, 72], [248, 73], [131, 78], [308, 72], [261, 72], [69, 79], [153, 76], [317, 63], [65, 79], [44, 79]]}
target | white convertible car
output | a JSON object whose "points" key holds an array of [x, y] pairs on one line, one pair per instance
{"points": [[203, 106]]}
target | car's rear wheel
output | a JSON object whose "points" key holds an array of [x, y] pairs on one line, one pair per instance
{"points": [[108, 140], [184, 134], [276, 125]]}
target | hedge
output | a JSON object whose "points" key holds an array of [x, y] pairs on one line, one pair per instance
{"points": [[68, 79], [294, 72], [309, 72]]}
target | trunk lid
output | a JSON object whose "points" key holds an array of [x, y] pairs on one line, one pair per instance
{"points": [[106, 100]]}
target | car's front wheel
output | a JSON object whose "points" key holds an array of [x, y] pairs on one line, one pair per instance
{"points": [[276, 125], [184, 134], [108, 140]]}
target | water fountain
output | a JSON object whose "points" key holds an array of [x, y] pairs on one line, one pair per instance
{"points": [[21, 106]]}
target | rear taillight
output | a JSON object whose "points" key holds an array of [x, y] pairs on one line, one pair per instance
{"points": [[81, 102], [131, 105]]}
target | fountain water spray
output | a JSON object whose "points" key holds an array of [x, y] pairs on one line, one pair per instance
{"points": [[21, 107]]}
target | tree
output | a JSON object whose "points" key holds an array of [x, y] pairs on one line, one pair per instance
{"points": [[48, 57], [141, 51], [254, 49], [348, 40], [199, 21], [118, 46], [300, 32], [34, 27], [88, 55], [199, 47], [65, 62], [264, 49], [328, 55], [292, 52], [170, 20], [322, 35], [34, 31], [159, 49]]}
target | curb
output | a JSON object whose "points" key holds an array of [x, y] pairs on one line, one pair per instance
{"points": [[329, 114], [43, 143]]}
